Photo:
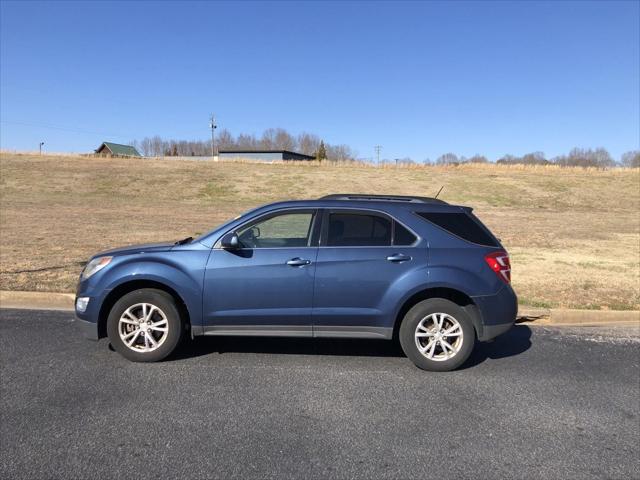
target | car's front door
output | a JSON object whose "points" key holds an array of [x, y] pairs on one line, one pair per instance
{"points": [[362, 257], [265, 286]]}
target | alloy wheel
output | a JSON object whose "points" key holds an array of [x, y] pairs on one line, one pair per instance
{"points": [[143, 327], [439, 337]]}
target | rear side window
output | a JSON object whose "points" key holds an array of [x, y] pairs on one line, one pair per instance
{"points": [[461, 225], [358, 230]]}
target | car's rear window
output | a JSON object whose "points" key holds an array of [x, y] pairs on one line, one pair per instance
{"points": [[461, 225]]}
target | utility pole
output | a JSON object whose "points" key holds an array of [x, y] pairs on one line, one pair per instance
{"points": [[377, 148], [41, 144], [212, 125]]}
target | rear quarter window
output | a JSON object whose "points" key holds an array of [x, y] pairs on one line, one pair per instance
{"points": [[461, 225], [402, 236]]}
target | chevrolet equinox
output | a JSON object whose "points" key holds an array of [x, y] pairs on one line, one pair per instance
{"points": [[416, 269]]}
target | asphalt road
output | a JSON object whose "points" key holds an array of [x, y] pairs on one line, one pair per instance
{"points": [[538, 402]]}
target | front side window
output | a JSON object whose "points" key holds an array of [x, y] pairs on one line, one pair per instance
{"points": [[358, 230], [279, 231]]}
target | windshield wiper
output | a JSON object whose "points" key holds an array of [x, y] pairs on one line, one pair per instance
{"points": [[183, 241]]}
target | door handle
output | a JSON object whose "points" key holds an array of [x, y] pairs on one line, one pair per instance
{"points": [[298, 262], [398, 257]]}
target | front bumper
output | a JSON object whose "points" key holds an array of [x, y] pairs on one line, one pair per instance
{"points": [[88, 329], [87, 320]]}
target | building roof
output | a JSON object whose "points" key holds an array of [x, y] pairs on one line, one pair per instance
{"points": [[119, 149], [267, 151]]}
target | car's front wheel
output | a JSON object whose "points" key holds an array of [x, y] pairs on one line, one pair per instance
{"points": [[145, 325], [437, 335]]}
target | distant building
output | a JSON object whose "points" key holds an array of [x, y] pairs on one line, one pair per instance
{"points": [[264, 155], [108, 149]]}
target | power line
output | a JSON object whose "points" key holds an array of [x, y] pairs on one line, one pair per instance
{"points": [[66, 129]]}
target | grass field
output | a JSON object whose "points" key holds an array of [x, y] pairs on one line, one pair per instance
{"points": [[573, 234]]}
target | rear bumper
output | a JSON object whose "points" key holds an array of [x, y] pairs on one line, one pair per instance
{"points": [[490, 332], [88, 329], [497, 313]]}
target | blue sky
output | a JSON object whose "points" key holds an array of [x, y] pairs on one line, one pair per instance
{"points": [[420, 79]]}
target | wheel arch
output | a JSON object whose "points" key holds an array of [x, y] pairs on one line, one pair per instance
{"points": [[456, 296], [129, 286]]}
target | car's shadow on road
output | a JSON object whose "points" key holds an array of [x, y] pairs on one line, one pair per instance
{"points": [[514, 342]]}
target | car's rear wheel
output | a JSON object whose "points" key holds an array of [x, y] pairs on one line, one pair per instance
{"points": [[437, 335], [145, 325]]}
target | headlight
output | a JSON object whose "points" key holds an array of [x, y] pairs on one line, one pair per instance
{"points": [[95, 265]]}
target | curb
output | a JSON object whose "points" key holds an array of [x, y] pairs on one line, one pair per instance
{"points": [[64, 301], [37, 300], [592, 317], [562, 316]]}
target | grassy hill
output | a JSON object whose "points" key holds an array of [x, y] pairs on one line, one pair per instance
{"points": [[573, 234]]}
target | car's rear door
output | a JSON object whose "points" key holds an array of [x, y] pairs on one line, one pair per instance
{"points": [[362, 255], [265, 287]]}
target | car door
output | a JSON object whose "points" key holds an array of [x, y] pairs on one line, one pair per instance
{"points": [[363, 253], [266, 286]]}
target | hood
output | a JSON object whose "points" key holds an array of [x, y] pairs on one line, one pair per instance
{"points": [[133, 249]]}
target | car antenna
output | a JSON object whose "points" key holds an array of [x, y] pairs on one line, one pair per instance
{"points": [[439, 191]]}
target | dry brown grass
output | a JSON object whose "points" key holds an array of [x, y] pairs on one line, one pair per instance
{"points": [[574, 234]]}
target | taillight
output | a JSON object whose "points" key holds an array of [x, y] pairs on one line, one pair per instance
{"points": [[500, 264]]}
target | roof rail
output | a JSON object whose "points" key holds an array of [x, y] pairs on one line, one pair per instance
{"points": [[384, 198]]}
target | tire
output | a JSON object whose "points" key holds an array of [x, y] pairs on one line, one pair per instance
{"points": [[127, 333], [419, 329]]}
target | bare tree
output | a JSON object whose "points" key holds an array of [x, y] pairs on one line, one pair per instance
{"points": [[283, 140], [225, 140], [246, 141], [308, 143], [534, 158], [339, 153], [447, 159], [582, 157], [477, 158], [405, 161], [268, 140], [631, 159], [157, 146]]}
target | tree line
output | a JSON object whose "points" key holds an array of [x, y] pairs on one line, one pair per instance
{"points": [[310, 144], [577, 157], [271, 139]]}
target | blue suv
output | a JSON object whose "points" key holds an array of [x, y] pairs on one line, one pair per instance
{"points": [[350, 266]]}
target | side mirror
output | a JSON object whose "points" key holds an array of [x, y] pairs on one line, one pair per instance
{"points": [[230, 241]]}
